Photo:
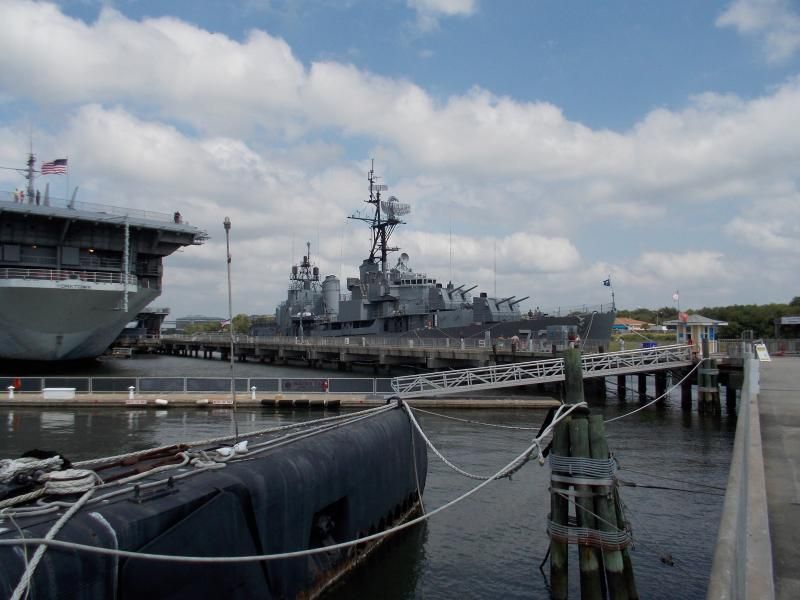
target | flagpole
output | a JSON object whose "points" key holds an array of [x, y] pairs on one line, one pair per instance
{"points": [[227, 224]]}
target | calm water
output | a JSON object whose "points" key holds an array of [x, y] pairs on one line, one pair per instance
{"points": [[489, 546]]}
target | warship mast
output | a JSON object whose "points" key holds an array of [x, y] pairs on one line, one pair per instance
{"points": [[383, 220]]}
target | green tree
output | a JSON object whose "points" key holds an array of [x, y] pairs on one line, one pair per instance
{"points": [[241, 324]]}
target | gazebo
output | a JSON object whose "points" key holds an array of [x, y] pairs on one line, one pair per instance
{"points": [[693, 329]]}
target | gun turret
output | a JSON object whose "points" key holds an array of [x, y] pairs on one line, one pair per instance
{"points": [[453, 291], [466, 291], [511, 304]]}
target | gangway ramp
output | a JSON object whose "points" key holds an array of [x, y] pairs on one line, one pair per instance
{"points": [[541, 371]]}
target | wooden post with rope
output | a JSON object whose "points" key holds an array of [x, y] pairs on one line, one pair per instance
{"points": [[559, 511], [583, 476]]}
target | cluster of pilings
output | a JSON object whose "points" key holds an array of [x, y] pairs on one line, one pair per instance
{"points": [[582, 478]]}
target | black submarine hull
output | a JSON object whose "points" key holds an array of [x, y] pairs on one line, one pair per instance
{"points": [[325, 489]]}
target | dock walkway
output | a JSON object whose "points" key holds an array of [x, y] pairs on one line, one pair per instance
{"points": [[779, 402]]}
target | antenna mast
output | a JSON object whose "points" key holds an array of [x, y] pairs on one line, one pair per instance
{"points": [[383, 220]]}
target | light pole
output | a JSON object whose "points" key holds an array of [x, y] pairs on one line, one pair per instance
{"points": [[227, 224]]}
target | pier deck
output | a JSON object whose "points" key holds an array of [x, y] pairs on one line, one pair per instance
{"points": [[779, 401]]}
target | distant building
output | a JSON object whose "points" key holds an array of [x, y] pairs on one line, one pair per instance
{"points": [[623, 324], [787, 327]]}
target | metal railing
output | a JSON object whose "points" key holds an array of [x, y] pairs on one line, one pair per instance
{"points": [[66, 275], [55, 202], [540, 371], [451, 343], [195, 385]]}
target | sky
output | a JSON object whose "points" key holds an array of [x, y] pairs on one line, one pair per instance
{"points": [[543, 145]]}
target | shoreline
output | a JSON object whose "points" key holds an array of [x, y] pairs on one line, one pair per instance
{"points": [[282, 400]]}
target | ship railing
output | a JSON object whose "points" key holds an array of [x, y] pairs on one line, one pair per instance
{"points": [[565, 311], [66, 275], [504, 345], [55, 202]]}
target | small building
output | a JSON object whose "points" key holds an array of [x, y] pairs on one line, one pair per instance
{"points": [[623, 324], [787, 327], [693, 329]]}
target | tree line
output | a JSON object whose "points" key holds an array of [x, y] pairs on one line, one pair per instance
{"points": [[759, 318]]}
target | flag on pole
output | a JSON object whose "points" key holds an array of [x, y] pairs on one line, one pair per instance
{"points": [[225, 322], [55, 167], [676, 296], [684, 317], [607, 282]]}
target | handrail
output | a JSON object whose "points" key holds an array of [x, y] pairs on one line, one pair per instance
{"points": [[66, 275], [54, 202]]}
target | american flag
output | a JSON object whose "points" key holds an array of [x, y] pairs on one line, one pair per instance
{"points": [[55, 167]]}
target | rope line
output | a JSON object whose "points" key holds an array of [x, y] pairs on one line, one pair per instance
{"points": [[590, 467], [111, 459], [664, 395], [429, 412], [300, 553]]}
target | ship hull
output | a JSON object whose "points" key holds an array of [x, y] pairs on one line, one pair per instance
{"points": [[55, 324]]}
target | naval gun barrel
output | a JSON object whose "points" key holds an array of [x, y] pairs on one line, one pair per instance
{"points": [[499, 302], [510, 304], [453, 291], [468, 290]]}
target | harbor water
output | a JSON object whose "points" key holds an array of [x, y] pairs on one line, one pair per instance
{"points": [[490, 545]]}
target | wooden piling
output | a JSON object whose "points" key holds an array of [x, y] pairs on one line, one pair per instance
{"points": [[607, 521], [630, 580], [573, 376], [589, 559], [661, 385], [559, 510], [642, 377], [621, 387]]}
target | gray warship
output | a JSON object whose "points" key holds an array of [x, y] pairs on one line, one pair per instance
{"points": [[399, 301]]}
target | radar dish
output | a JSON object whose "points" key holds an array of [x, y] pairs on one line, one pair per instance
{"points": [[394, 208]]}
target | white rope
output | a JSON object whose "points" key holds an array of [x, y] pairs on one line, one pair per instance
{"points": [[11, 467], [664, 395], [25, 580], [429, 412], [311, 551], [69, 481], [112, 459], [592, 467]]}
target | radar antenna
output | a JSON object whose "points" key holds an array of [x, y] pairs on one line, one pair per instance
{"points": [[384, 218]]}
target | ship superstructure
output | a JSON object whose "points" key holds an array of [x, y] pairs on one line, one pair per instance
{"points": [[73, 274], [383, 300]]}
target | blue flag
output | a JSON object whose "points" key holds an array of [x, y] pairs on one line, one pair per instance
{"points": [[607, 282]]}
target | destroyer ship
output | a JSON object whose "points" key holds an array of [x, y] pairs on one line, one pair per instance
{"points": [[73, 274], [397, 301]]}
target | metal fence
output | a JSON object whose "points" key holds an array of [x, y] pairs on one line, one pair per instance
{"points": [[177, 385], [452, 343]]}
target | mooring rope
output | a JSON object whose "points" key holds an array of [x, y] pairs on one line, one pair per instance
{"points": [[311, 551], [664, 395], [430, 412], [112, 459]]}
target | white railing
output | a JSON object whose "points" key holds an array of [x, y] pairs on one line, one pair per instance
{"points": [[481, 378], [66, 275], [541, 371], [8, 197]]}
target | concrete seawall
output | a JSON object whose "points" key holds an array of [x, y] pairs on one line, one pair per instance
{"points": [[743, 559]]}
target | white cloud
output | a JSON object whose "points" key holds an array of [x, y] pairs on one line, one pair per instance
{"points": [[773, 21], [429, 11], [168, 114]]}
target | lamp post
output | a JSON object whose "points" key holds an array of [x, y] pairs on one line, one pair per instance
{"points": [[227, 224]]}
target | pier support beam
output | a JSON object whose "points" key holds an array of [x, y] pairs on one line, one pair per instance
{"points": [[622, 390], [642, 377], [661, 385]]}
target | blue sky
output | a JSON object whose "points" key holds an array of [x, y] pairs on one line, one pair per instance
{"points": [[657, 142]]}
